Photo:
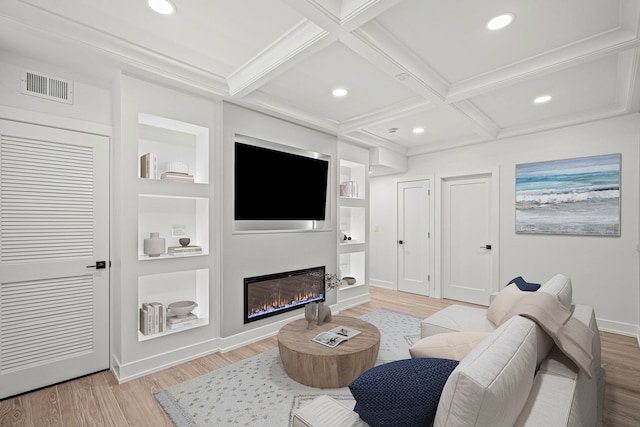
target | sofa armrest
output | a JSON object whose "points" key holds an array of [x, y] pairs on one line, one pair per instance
{"points": [[324, 411]]}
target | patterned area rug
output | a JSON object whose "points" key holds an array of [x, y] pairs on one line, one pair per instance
{"points": [[258, 392]]}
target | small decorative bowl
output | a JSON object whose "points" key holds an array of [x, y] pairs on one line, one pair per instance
{"points": [[184, 241], [350, 280], [182, 308]]}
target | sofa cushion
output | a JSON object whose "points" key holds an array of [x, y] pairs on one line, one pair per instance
{"points": [[456, 318], [491, 385], [559, 286], [503, 303], [401, 393], [452, 345]]}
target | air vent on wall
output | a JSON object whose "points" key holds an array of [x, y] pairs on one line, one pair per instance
{"points": [[46, 86]]}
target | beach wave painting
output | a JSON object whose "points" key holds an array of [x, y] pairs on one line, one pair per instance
{"points": [[575, 196]]}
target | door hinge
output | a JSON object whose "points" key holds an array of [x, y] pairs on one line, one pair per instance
{"points": [[428, 277], [428, 192], [428, 234]]}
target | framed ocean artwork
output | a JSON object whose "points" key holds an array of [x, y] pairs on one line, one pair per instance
{"points": [[574, 196]]}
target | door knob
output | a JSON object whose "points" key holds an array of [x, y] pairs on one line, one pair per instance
{"points": [[99, 265], [400, 242], [486, 247]]}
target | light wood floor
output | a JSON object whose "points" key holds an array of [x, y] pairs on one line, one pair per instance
{"points": [[97, 400]]}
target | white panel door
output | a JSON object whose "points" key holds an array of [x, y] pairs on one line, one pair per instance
{"points": [[413, 237], [54, 227], [469, 227]]}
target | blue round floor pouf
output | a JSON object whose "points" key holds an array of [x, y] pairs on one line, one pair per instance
{"points": [[401, 393]]}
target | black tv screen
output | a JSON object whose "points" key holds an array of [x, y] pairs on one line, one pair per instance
{"points": [[276, 185]]}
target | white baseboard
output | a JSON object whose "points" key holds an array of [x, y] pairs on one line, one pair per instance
{"points": [[128, 371], [627, 329], [382, 284]]}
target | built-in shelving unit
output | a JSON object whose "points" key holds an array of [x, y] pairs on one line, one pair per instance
{"points": [[175, 209], [353, 213]]}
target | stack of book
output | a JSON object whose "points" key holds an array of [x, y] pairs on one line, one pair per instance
{"points": [[184, 250], [175, 322], [152, 318], [149, 166], [177, 176]]}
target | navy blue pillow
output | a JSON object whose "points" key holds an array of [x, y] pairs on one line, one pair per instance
{"points": [[523, 285], [401, 393]]}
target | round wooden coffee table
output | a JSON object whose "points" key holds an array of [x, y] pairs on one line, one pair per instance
{"points": [[320, 366]]}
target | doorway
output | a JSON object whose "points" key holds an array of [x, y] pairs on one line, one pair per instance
{"points": [[415, 251], [469, 236], [54, 257]]}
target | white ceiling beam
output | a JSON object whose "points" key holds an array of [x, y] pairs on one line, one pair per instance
{"points": [[480, 123], [605, 44], [355, 13], [366, 138], [385, 114], [374, 43], [299, 43]]}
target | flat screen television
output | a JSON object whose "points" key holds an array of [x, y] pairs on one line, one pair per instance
{"points": [[277, 185]]}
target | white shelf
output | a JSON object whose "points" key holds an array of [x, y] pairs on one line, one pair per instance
{"points": [[352, 264], [352, 224], [188, 285], [170, 214], [352, 171], [172, 140]]}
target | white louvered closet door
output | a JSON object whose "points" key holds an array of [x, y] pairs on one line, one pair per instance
{"points": [[54, 226]]}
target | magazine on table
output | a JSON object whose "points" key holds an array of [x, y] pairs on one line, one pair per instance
{"points": [[335, 336]]}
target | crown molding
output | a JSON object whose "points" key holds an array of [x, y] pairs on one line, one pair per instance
{"points": [[627, 79], [36, 22], [269, 105]]}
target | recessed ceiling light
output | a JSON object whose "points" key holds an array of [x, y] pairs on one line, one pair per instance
{"points": [[542, 99], [501, 21], [418, 130], [340, 92], [163, 7]]}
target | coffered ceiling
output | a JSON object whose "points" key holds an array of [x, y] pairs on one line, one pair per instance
{"points": [[405, 63]]}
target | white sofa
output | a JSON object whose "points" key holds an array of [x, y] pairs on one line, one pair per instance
{"points": [[516, 376]]}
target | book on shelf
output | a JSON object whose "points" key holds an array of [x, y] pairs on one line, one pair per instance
{"points": [[149, 166], [335, 336], [175, 322], [184, 250], [152, 318], [177, 176]]}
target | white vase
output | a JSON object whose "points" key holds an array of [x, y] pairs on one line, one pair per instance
{"points": [[154, 245]]}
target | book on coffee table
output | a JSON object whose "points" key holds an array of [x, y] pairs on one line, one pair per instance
{"points": [[335, 336]]}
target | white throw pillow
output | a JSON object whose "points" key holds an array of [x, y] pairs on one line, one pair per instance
{"points": [[503, 302], [451, 345], [491, 385]]}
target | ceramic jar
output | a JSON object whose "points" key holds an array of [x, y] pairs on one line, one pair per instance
{"points": [[154, 245]]}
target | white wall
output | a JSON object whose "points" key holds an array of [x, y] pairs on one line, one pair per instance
{"points": [[259, 253], [604, 270], [91, 103]]}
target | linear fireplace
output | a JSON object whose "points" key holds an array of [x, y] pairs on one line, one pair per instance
{"points": [[278, 293]]}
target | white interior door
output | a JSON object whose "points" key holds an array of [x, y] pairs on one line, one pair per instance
{"points": [[469, 238], [54, 227], [414, 256]]}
